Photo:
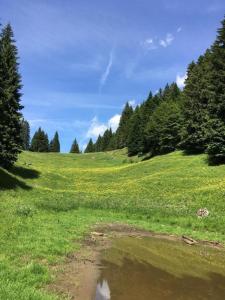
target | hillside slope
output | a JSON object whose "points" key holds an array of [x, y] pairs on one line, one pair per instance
{"points": [[48, 201]]}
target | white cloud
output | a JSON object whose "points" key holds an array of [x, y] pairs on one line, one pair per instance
{"points": [[179, 29], [96, 128], [114, 122], [106, 73], [167, 41], [180, 80], [149, 44]]}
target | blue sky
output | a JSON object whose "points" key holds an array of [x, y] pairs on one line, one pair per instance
{"points": [[82, 60]]}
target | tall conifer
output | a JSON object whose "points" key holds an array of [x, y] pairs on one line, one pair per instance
{"points": [[10, 94], [54, 145]]}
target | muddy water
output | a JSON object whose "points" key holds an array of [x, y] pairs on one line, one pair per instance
{"points": [[157, 269]]}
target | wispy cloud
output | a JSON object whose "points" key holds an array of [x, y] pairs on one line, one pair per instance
{"points": [[180, 80], [149, 44], [167, 41], [106, 73], [154, 43]]}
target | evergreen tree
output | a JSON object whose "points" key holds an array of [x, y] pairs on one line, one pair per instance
{"points": [[25, 134], [216, 145], [54, 145], [40, 142], [90, 147], [106, 138], [112, 142], [123, 128], [10, 94], [197, 94], [135, 138], [163, 129], [75, 147], [99, 144]]}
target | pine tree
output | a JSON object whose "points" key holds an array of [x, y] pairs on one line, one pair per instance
{"points": [[216, 146], [106, 138], [163, 129], [99, 144], [40, 142], [25, 134], [196, 97], [75, 147], [54, 145], [10, 94], [135, 138], [123, 128], [90, 147]]}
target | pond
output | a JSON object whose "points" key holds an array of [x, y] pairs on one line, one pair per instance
{"points": [[145, 268]]}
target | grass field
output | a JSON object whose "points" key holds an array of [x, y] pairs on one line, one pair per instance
{"points": [[48, 202]]}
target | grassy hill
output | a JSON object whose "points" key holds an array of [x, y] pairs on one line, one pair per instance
{"points": [[49, 201]]}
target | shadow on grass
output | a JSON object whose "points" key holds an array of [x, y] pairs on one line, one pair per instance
{"points": [[8, 181], [24, 172]]}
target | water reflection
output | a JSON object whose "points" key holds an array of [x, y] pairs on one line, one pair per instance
{"points": [[102, 291], [158, 270]]}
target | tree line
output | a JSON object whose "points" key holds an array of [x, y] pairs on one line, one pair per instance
{"points": [[192, 119]]}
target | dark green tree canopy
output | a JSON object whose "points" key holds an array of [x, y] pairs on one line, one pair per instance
{"points": [[54, 145], [75, 147], [40, 142], [90, 147], [25, 134], [123, 129], [10, 94]]}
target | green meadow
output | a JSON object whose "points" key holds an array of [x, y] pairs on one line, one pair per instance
{"points": [[48, 202]]}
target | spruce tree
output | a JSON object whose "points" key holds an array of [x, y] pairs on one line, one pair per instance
{"points": [[25, 134], [106, 138], [75, 147], [135, 138], [163, 129], [196, 97], [216, 146], [90, 147], [123, 128], [99, 144], [54, 145], [40, 142], [10, 94]]}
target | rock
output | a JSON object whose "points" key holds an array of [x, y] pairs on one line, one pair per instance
{"points": [[202, 213]]}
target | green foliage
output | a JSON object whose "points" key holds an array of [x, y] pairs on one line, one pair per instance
{"points": [[163, 129], [122, 132], [216, 146], [39, 142], [195, 132], [135, 138], [10, 94], [75, 147], [90, 147], [54, 145], [25, 134]]}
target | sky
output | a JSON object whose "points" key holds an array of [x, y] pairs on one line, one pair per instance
{"points": [[81, 61]]}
